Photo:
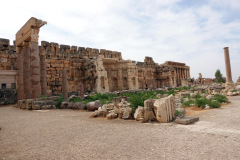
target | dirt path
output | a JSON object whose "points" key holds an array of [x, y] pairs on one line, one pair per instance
{"points": [[68, 134]]}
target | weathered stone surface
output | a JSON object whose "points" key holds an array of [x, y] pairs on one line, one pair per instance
{"points": [[149, 112], [207, 107], [92, 106], [229, 83], [182, 112], [165, 109], [209, 96], [112, 115], [185, 94], [78, 105], [186, 120], [139, 114], [66, 105]]}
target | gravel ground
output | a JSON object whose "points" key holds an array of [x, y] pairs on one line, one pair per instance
{"points": [[68, 134]]}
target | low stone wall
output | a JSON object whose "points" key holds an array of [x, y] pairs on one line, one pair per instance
{"points": [[8, 96], [38, 103]]}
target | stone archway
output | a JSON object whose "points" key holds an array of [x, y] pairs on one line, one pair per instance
{"points": [[28, 63]]}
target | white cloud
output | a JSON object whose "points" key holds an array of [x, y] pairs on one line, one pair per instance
{"points": [[162, 29]]}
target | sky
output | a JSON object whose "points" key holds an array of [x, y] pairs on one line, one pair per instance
{"points": [[189, 31]]}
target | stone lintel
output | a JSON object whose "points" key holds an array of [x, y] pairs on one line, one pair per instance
{"points": [[30, 28]]}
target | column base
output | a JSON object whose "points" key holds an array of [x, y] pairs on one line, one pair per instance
{"points": [[229, 86]]}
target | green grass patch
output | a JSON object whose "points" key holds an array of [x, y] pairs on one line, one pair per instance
{"points": [[220, 98], [188, 103], [59, 101]]}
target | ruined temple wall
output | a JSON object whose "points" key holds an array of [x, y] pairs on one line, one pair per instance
{"points": [[79, 69], [181, 72], [122, 75], [98, 70], [7, 55]]}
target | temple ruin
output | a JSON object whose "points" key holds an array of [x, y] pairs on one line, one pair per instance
{"points": [[46, 69]]}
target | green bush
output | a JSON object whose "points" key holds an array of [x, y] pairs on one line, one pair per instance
{"points": [[43, 96], [6, 103], [214, 104], [188, 103], [76, 99], [220, 98], [137, 99], [198, 96], [59, 101], [204, 91], [201, 102], [177, 113]]}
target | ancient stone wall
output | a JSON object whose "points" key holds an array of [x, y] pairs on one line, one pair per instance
{"points": [[7, 55], [97, 70], [7, 73]]}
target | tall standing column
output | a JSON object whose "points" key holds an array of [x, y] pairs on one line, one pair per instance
{"points": [[227, 65], [120, 82], [229, 83], [35, 69], [20, 91], [26, 71], [64, 84], [43, 78]]}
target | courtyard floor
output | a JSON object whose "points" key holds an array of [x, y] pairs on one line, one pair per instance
{"points": [[69, 134]]}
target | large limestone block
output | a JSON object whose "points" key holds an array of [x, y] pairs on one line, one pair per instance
{"points": [[149, 113], [165, 109], [92, 106], [186, 120], [139, 113]]}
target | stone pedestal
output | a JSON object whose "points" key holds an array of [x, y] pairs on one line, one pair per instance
{"points": [[229, 83]]}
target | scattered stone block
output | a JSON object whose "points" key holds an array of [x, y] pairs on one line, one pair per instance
{"points": [[78, 105], [186, 120], [92, 106], [165, 109]]}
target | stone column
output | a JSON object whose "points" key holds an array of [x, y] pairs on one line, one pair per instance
{"points": [[229, 83], [228, 66], [43, 78], [20, 91], [35, 69], [26, 71], [120, 82], [81, 90], [64, 84], [185, 73]]}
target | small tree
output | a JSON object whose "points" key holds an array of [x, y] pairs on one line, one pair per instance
{"points": [[218, 76]]}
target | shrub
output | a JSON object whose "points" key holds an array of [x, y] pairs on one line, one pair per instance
{"points": [[220, 98], [204, 91], [177, 113], [214, 104], [188, 103], [198, 96], [59, 101], [201, 102], [76, 99], [6, 103]]}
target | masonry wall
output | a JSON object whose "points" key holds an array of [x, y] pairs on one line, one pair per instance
{"points": [[98, 70]]}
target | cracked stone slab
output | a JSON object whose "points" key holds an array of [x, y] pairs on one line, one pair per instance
{"points": [[186, 120]]}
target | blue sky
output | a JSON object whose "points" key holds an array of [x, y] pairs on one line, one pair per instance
{"points": [[190, 31]]}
